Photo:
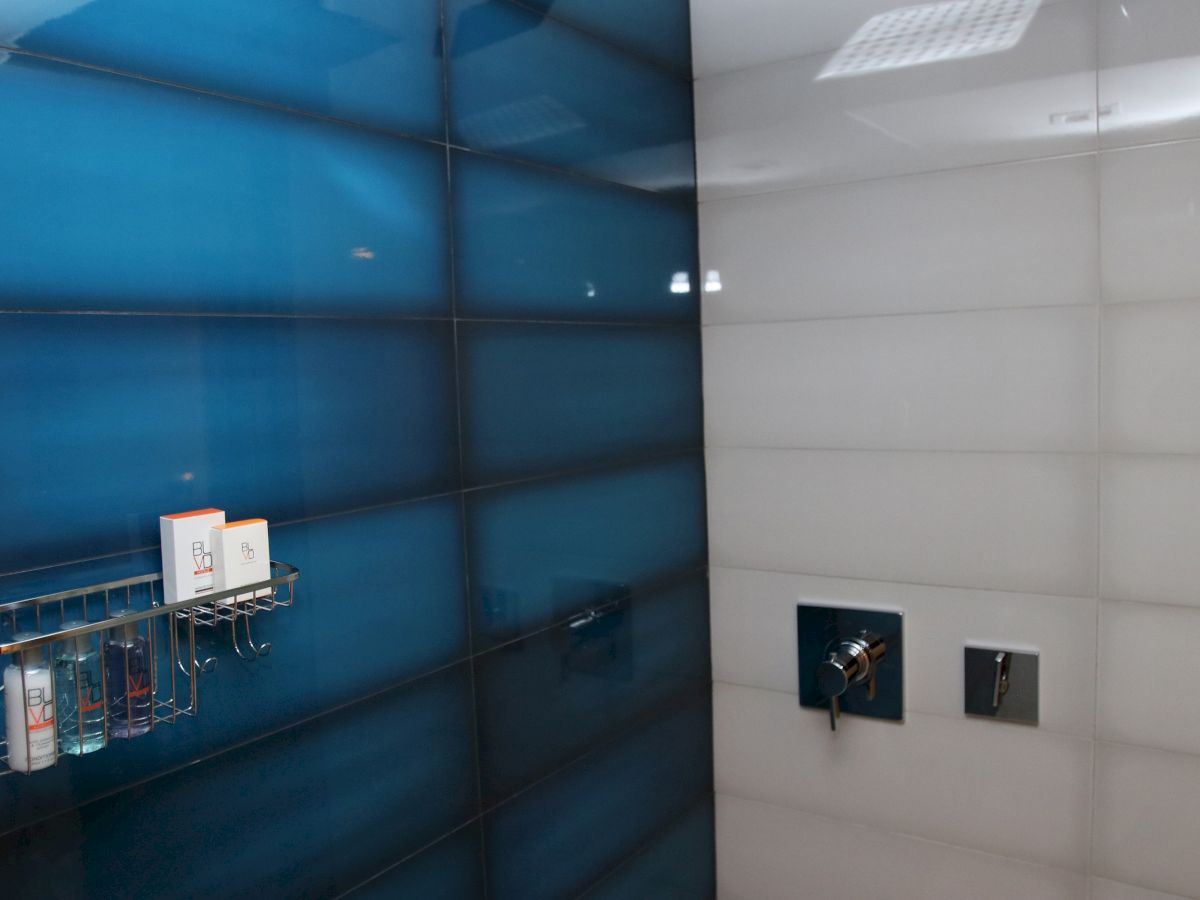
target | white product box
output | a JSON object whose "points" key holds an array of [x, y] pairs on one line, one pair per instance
{"points": [[187, 554], [241, 555]]}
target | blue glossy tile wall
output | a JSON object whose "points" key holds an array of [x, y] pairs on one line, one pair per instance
{"points": [[546, 699], [533, 244], [309, 811], [527, 86], [620, 797], [660, 31], [121, 418], [452, 869], [202, 204], [408, 619], [670, 867], [323, 58], [437, 347], [543, 398], [543, 550]]}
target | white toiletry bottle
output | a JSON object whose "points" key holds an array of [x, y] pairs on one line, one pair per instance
{"points": [[29, 709]]}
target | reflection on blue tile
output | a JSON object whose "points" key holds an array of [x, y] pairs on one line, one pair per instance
{"points": [[658, 30], [542, 550], [325, 58], [124, 418], [545, 700], [559, 836], [677, 865], [535, 244], [380, 599], [527, 86], [310, 811], [541, 398], [38, 582], [452, 869], [134, 196]]}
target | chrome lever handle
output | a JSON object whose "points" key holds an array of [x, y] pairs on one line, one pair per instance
{"points": [[1000, 684], [851, 662]]}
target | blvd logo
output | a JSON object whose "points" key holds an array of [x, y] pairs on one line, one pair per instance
{"points": [[201, 557]]}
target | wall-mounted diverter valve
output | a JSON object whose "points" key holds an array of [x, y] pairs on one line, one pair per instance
{"points": [[851, 661], [1001, 684]]}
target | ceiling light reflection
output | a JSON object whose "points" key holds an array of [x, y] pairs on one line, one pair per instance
{"points": [[932, 32]]}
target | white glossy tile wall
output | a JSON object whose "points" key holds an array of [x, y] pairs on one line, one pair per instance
{"points": [[1104, 889], [1152, 377], [767, 852], [754, 637], [1149, 56], [1161, 713], [954, 367], [1016, 522], [1145, 827], [1003, 380], [1150, 223], [767, 749], [727, 36], [783, 125], [1150, 529], [999, 236]]}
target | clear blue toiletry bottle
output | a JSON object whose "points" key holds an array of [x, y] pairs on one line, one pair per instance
{"points": [[127, 668], [80, 694]]}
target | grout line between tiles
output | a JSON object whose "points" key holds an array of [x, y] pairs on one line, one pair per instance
{"points": [[1099, 507], [971, 721], [928, 451], [900, 315], [899, 581], [668, 195], [477, 819], [342, 317], [370, 697], [708, 799], [1097, 152], [869, 179], [904, 314], [784, 807], [952, 587], [647, 720], [597, 469], [464, 531], [462, 826]]}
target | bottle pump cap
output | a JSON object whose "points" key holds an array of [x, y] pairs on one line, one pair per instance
{"points": [[33, 658], [83, 643], [127, 632]]}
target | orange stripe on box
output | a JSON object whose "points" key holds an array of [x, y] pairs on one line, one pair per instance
{"points": [[242, 522], [194, 512]]}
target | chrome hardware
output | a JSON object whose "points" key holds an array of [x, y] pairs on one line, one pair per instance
{"points": [[850, 661], [1000, 688], [1001, 684], [169, 631]]}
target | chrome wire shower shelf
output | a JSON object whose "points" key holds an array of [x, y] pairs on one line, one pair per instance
{"points": [[163, 638]]}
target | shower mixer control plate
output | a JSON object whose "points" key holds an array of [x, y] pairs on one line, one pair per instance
{"points": [[851, 661]]}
